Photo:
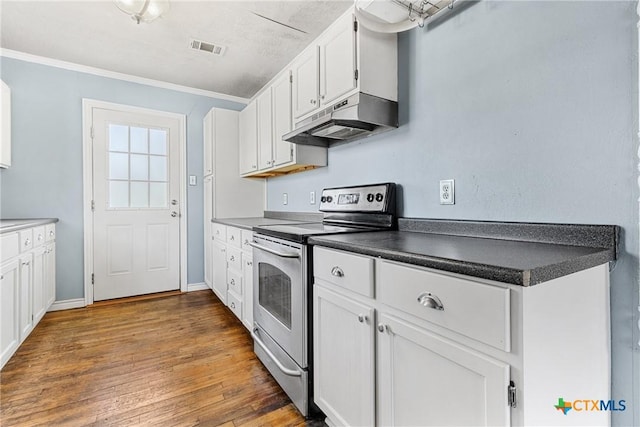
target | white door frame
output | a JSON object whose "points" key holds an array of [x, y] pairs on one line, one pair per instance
{"points": [[87, 171]]}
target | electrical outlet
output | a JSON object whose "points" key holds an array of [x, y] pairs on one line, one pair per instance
{"points": [[447, 192], [285, 199], [312, 198]]}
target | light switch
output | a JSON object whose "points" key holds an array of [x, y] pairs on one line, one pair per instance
{"points": [[192, 180]]}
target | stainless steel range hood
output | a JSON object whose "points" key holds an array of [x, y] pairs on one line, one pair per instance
{"points": [[355, 117]]}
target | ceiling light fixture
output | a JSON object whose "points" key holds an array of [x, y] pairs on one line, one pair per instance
{"points": [[143, 10]]}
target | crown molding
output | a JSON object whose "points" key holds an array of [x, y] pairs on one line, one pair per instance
{"points": [[14, 54]]}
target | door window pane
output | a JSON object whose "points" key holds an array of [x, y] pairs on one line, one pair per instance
{"points": [[158, 141], [158, 168], [118, 194], [118, 166], [118, 138], [139, 143], [158, 195], [139, 195], [139, 167], [274, 293]]}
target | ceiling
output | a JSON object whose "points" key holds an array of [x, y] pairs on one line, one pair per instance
{"points": [[98, 34]]}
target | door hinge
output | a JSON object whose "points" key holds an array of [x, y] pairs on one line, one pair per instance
{"points": [[290, 78], [93, 279], [355, 74], [292, 152], [511, 395], [93, 205], [355, 26], [92, 134]]}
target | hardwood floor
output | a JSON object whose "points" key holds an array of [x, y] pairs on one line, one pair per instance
{"points": [[180, 360]]}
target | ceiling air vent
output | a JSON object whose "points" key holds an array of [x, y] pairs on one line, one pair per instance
{"points": [[212, 48]]}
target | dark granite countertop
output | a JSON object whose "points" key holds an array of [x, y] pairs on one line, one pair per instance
{"points": [[270, 218], [9, 225], [509, 257]]}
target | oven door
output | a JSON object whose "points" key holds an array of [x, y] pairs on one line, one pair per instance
{"points": [[279, 295]]}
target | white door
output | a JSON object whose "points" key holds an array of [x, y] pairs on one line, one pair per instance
{"points": [[427, 380], [136, 188]]}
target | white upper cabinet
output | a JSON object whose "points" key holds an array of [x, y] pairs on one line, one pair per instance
{"points": [[5, 126], [248, 145], [265, 130], [338, 65], [346, 58], [281, 111], [305, 82], [208, 145]]}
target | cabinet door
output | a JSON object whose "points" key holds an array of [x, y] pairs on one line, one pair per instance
{"points": [[338, 61], [50, 275], [208, 143], [265, 131], [281, 92], [208, 260], [427, 380], [219, 263], [248, 144], [9, 309], [39, 283], [305, 82], [247, 280], [343, 354], [208, 229], [26, 295]]}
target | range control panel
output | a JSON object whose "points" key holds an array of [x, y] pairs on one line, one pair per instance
{"points": [[366, 198]]}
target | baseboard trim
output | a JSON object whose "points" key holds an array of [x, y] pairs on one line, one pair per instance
{"points": [[67, 304], [191, 287]]}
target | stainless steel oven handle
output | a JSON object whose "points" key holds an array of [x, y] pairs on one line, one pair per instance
{"points": [[272, 356], [271, 251]]}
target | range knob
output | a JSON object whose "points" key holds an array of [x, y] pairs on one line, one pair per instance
{"points": [[370, 197], [323, 199], [379, 197], [329, 199]]}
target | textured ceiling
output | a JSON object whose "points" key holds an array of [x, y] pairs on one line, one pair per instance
{"points": [[98, 34]]}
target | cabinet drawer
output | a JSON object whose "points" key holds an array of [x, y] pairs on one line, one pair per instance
{"points": [[247, 237], [349, 271], [39, 236], [219, 232], [473, 309], [10, 246], [234, 282], [26, 239], [50, 232], [234, 304], [234, 237], [234, 258]]}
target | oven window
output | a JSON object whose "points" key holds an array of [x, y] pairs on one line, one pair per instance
{"points": [[275, 292]]}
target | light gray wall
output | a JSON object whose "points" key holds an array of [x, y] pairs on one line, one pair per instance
{"points": [[531, 108], [45, 179]]}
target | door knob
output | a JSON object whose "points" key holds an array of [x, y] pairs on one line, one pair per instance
{"points": [[174, 214], [174, 202]]}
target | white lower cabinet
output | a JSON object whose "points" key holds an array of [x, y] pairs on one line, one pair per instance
{"points": [[232, 270], [344, 352], [421, 373], [27, 284], [401, 345]]}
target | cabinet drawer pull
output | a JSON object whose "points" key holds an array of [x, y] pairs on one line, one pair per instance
{"points": [[233, 258], [233, 282], [337, 271], [26, 263], [429, 300], [51, 233], [233, 305], [232, 237], [39, 237], [27, 242]]}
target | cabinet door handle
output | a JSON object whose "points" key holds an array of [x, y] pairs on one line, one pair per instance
{"points": [[382, 327], [232, 258], [233, 305], [427, 299], [51, 233], [362, 318], [337, 271], [39, 237], [254, 167], [27, 242], [233, 282], [232, 237], [26, 263]]}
